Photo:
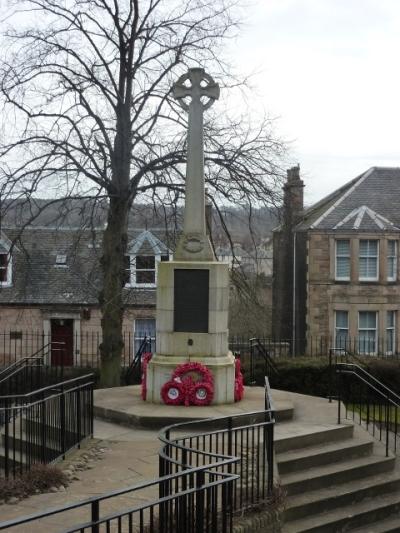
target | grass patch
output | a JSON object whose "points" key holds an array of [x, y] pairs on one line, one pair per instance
{"points": [[374, 414]]}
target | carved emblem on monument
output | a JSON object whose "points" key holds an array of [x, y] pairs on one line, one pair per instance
{"points": [[193, 243]]}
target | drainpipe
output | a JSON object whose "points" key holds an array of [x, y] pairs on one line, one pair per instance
{"points": [[294, 297]]}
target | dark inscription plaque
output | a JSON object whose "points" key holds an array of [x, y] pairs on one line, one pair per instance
{"points": [[191, 300]]}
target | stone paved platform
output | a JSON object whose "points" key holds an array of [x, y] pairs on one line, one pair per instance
{"points": [[124, 405], [132, 452]]}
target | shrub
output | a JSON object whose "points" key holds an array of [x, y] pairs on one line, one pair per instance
{"points": [[40, 478]]}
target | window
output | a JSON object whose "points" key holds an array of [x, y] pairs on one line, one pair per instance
{"points": [[145, 328], [341, 329], [342, 267], [368, 260], [390, 332], [367, 332], [145, 271], [61, 260], [5, 269], [391, 260], [127, 269]]}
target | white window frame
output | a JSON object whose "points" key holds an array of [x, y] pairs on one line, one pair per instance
{"points": [[369, 278], [341, 347], [8, 269], [342, 278], [374, 352], [132, 270], [391, 259], [135, 270], [391, 333]]}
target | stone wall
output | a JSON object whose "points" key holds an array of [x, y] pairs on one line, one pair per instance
{"points": [[325, 295], [24, 330]]}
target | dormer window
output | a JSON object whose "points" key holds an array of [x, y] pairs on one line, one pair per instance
{"points": [[144, 254], [61, 260], [5, 269], [145, 270]]}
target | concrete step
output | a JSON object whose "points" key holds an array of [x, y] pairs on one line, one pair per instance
{"points": [[305, 458], [387, 525], [347, 518], [341, 472], [294, 436], [313, 502]]}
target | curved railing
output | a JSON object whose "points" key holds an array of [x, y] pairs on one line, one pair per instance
{"points": [[209, 470]]}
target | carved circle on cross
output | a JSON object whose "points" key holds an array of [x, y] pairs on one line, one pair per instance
{"points": [[195, 84]]}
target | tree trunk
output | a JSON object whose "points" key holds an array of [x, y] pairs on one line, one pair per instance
{"points": [[112, 263]]}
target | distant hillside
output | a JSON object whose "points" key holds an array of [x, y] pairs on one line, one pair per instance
{"points": [[89, 213]]}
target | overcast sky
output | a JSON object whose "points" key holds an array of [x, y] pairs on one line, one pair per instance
{"points": [[330, 69]]}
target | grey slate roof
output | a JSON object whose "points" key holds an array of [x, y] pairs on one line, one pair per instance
{"points": [[37, 280], [369, 202]]}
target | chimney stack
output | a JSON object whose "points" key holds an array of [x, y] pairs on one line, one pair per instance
{"points": [[293, 195]]}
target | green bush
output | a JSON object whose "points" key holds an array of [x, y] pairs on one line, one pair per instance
{"points": [[302, 375], [306, 375]]}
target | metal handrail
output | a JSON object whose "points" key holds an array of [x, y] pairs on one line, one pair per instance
{"points": [[374, 405], [190, 484], [21, 362], [136, 361], [40, 392], [382, 388], [270, 367]]}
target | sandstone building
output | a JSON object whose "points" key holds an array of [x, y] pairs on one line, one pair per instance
{"points": [[49, 287], [336, 279]]}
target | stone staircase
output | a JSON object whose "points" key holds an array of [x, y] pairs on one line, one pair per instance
{"points": [[337, 478]]}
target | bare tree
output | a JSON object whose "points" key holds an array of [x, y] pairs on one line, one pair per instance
{"points": [[85, 86]]}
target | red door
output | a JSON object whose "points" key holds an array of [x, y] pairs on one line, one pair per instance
{"points": [[62, 342]]}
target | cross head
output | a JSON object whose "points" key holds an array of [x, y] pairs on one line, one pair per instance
{"points": [[196, 89]]}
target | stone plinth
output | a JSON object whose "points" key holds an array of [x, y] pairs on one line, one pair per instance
{"points": [[207, 347]]}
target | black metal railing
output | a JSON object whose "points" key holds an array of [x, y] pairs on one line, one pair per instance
{"points": [[41, 426], [31, 373], [210, 471], [257, 362], [369, 402], [84, 347], [133, 373]]}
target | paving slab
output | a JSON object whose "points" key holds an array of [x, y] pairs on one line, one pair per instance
{"points": [[124, 405], [132, 453]]}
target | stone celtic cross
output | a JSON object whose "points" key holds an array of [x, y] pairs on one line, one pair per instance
{"points": [[201, 91]]}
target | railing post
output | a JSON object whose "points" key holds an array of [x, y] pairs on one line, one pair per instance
{"points": [[7, 439], [330, 376], [200, 501], [339, 390], [95, 511], [78, 416], [62, 424], [387, 425]]}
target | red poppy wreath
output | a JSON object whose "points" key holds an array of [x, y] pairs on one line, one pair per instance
{"points": [[190, 384]]}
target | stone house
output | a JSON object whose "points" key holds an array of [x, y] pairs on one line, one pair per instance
{"points": [[336, 279], [49, 285]]}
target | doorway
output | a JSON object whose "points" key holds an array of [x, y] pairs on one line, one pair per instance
{"points": [[62, 341]]}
